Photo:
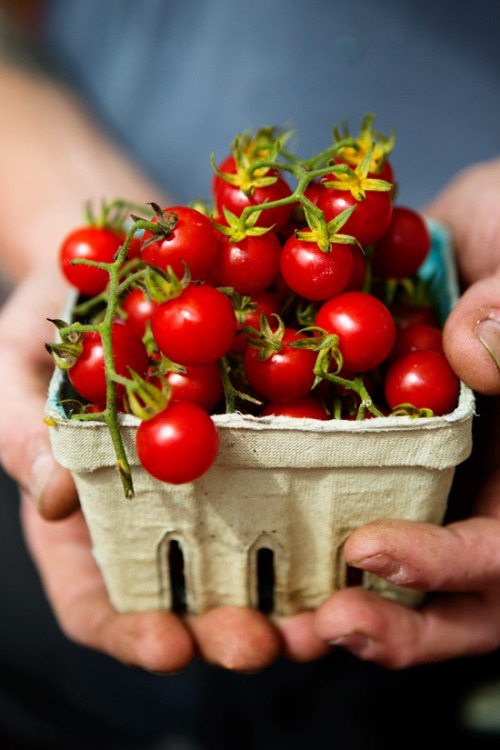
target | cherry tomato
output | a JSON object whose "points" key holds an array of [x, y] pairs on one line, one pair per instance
{"points": [[359, 268], [249, 265], [307, 407], [262, 303], [406, 314], [235, 199], [312, 273], [195, 328], [190, 239], [178, 445], [286, 375], [364, 326], [423, 379], [139, 309], [92, 243], [87, 375], [201, 385], [369, 220], [417, 337], [403, 247]]}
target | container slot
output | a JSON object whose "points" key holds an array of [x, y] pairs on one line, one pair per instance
{"points": [[353, 576], [265, 580], [177, 577]]}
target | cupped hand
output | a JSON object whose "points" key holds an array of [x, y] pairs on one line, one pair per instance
{"points": [[58, 538], [459, 563]]}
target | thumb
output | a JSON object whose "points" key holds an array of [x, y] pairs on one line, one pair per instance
{"points": [[471, 336], [25, 369]]}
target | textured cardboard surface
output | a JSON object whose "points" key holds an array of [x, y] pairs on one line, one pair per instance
{"points": [[293, 488]]}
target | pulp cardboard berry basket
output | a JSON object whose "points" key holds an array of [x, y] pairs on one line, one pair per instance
{"points": [[266, 525]]}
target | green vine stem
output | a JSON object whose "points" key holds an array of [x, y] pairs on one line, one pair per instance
{"points": [[116, 286]]}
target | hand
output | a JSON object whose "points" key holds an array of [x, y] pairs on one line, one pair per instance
{"points": [[58, 538], [461, 561]]}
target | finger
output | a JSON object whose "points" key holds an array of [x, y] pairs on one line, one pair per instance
{"points": [[471, 336], [379, 630], [468, 205], [156, 641], [239, 639], [25, 369], [459, 557], [299, 638]]}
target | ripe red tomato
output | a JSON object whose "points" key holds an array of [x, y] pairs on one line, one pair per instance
{"points": [[312, 273], [235, 199], [423, 379], [307, 407], [417, 337], [286, 375], [178, 445], [359, 268], [87, 375], [139, 309], [364, 326], [403, 247], [92, 243], [406, 314], [262, 303], [195, 328], [249, 265], [369, 220], [201, 385], [191, 240]]}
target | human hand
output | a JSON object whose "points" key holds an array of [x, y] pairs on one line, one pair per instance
{"points": [[58, 539], [461, 561]]}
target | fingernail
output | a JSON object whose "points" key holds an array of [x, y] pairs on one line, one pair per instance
{"points": [[488, 333], [355, 642], [42, 470], [384, 566]]}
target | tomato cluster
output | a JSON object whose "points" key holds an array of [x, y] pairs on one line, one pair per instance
{"points": [[273, 299]]}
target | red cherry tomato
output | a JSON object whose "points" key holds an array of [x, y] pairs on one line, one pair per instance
{"points": [[91, 243], [201, 385], [312, 273], [364, 326], [307, 407], [403, 247], [417, 337], [178, 445], [286, 375], [249, 265], [236, 200], [195, 328], [264, 303], [423, 379], [87, 375], [139, 309], [369, 220], [407, 314], [190, 241]]}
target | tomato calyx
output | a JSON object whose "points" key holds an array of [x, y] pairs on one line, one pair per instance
{"points": [[160, 226], [239, 227], [357, 181], [254, 157], [408, 410], [144, 399], [326, 234], [367, 138], [66, 352], [266, 340]]}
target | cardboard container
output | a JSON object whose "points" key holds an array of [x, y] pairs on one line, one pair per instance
{"points": [[265, 526]]}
